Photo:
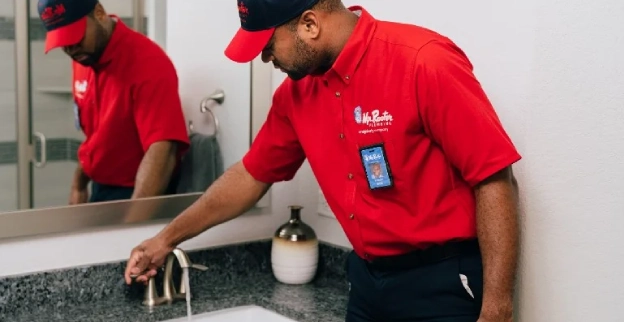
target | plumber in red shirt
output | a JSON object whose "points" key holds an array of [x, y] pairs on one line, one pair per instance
{"points": [[126, 98], [408, 151]]}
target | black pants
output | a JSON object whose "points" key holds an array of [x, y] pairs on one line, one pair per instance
{"points": [[102, 192], [429, 293]]}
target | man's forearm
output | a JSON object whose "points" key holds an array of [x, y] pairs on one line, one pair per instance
{"points": [[80, 180], [235, 192], [497, 229], [155, 170]]}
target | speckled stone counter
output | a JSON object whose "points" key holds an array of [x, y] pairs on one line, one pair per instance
{"points": [[237, 275]]}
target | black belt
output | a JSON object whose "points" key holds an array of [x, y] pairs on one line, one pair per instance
{"points": [[426, 256]]}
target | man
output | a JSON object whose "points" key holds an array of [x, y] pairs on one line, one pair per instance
{"points": [[436, 240], [126, 103]]}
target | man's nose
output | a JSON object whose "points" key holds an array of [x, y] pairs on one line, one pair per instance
{"points": [[71, 49], [266, 56]]}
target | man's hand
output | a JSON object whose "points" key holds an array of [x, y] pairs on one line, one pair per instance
{"points": [[79, 193], [146, 258], [78, 196]]}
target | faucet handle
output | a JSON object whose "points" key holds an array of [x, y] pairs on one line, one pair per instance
{"points": [[199, 267], [185, 261], [151, 295]]}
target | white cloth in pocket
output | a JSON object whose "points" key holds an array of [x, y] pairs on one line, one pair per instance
{"points": [[464, 280]]}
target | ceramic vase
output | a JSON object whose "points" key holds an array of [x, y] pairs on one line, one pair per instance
{"points": [[294, 250]]}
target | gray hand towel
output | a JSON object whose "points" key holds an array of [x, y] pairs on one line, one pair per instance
{"points": [[201, 165]]}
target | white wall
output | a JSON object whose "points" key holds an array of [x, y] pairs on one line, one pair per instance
{"points": [[573, 178]]}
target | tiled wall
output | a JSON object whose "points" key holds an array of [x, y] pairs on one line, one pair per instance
{"points": [[52, 115]]}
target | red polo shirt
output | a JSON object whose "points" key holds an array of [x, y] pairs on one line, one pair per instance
{"points": [[125, 103], [413, 91]]}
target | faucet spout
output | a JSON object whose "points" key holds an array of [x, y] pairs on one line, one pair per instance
{"points": [[169, 291]]}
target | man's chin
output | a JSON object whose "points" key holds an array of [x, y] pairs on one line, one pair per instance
{"points": [[86, 63], [296, 76]]}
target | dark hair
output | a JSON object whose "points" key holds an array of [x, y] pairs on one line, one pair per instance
{"points": [[322, 5], [329, 5]]}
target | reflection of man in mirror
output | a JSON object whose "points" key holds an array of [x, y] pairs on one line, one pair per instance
{"points": [[375, 169], [412, 237], [125, 91]]}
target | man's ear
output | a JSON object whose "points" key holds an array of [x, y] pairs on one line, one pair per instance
{"points": [[99, 13], [309, 25]]}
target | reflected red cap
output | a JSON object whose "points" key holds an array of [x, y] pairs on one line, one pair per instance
{"points": [[64, 20]]}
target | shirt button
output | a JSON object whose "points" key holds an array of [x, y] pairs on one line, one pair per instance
{"points": [[351, 216], [342, 135], [350, 176], [347, 77], [366, 256], [337, 94]]}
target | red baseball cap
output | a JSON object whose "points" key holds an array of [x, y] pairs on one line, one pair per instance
{"points": [[65, 21], [259, 18]]}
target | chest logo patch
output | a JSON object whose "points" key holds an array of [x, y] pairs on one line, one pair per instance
{"points": [[375, 120], [80, 88], [358, 115]]}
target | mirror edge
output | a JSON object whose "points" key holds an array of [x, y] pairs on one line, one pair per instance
{"points": [[261, 99]]}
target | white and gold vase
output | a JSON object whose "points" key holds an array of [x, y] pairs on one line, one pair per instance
{"points": [[295, 250]]}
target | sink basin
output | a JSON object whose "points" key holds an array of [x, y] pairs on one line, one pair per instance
{"points": [[238, 314]]}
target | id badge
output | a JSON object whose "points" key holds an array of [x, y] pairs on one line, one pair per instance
{"points": [[77, 117], [376, 166]]}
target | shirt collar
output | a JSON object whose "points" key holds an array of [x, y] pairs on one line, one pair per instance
{"points": [[114, 43], [351, 55]]}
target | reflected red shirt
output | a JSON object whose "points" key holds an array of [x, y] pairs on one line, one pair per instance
{"points": [[413, 91], [126, 103]]}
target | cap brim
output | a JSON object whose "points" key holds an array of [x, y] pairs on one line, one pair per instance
{"points": [[66, 35], [247, 45]]}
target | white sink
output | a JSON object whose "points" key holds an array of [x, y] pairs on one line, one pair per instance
{"points": [[238, 314]]}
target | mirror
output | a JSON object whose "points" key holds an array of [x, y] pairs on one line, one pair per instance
{"points": [[41, 136]]}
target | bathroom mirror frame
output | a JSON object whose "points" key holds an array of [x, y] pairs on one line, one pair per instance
{"points": [[66, 219]]}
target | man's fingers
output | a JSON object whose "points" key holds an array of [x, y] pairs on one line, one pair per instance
{"points": [[141, 264], [129, 265], [136, 264], [151, 272]]}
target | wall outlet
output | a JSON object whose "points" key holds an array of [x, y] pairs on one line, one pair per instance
{"points": [[323, 207]]}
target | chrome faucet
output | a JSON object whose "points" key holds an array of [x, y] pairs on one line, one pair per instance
{"points": [[169, 291]]}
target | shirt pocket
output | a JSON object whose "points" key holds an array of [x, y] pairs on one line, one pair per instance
{"points": [[386, 169]]}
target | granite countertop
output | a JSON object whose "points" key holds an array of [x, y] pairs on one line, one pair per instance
{"points": [[237, 276]]}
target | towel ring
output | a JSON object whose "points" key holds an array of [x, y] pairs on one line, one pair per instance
{"points": [[205, 106], [218, 96]]}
